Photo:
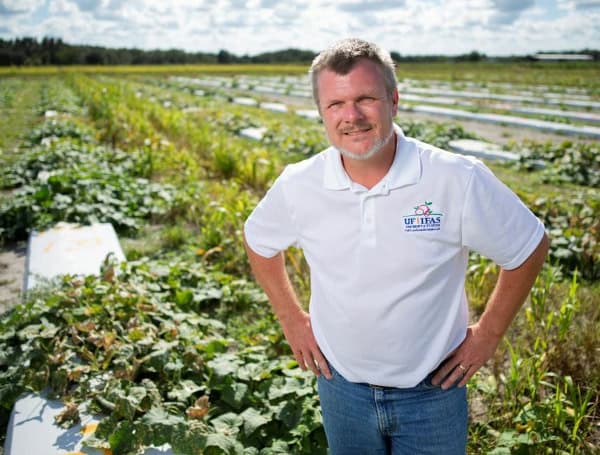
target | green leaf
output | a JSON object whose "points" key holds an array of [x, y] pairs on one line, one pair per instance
{"points": [[127, 403], [161, 426], [290, 414], [224, 365], [289, 386], [228, 423], [184, 297], [184, 390], [277, 448], [253, 419], [157, 416], [124, 439], [224, 443], [234, 394]]}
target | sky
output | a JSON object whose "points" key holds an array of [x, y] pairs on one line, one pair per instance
{"points": [[410, 27]]}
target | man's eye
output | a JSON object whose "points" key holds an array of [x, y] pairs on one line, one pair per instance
{"points": [[366, 100]]}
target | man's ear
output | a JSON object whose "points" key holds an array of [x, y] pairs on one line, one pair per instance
{"points": [[395, 99]]}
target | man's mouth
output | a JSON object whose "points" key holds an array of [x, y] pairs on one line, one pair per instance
{"points": [[356, 131]]}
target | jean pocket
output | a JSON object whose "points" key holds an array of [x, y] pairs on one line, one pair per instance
{"points": [[426, 383], [332, 370]]}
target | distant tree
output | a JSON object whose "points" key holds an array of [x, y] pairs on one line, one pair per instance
{"points": [[395, 56], [224, 57], [472, 56], [94, 58]]}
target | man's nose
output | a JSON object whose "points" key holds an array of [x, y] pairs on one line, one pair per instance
{"points": [[352, 112]]}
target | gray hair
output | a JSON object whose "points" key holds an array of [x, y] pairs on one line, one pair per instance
{"points": [[343, 55]]}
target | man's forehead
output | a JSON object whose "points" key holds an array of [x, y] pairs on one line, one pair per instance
{"points": [[363, 75], [362, 63]]}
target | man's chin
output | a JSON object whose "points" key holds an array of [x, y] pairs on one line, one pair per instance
{"points": [[359, 154]]}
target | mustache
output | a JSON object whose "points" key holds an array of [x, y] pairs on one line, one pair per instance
{"points": [[355, 127]]}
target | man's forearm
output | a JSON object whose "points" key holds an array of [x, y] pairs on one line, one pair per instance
{"points": [[483, 337], [295, 322], [510, 292], [274, 280]]}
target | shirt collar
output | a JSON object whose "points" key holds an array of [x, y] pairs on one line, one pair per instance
{"points": [[405, 169]]}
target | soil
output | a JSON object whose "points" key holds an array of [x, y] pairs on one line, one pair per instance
{"points": [[495, 133], [12, 269]]}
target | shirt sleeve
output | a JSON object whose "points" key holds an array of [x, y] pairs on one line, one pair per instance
{"points": [[496, 223], [270, 228]]}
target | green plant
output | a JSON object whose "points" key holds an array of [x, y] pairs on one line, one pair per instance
{"points": [[141, 347], [80, 183], [539, 409]]}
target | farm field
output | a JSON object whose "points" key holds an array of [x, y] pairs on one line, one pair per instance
{"points": [[180, 346]]}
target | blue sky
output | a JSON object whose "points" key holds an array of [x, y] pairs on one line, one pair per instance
{"points": [[495, 27]]}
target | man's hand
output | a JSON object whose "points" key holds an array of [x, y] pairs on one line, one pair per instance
{"points": [[295, 322], [483, 337], [475, 350], [298, 332]]}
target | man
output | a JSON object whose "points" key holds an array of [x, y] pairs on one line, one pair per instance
{"points": [[386, 223]]}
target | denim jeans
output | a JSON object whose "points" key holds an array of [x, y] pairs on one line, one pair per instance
{"points": [[363, 419]]}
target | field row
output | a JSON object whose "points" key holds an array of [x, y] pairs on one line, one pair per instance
{"points": [[180, 347]]}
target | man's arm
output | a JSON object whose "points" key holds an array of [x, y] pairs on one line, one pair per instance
{"points": [[295, 322], [483, 337]]}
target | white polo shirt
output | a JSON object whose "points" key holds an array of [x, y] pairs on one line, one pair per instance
{"points": [[388, 264]]}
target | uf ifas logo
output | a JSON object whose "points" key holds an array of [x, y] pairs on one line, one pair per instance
{"points": [[424, 219]]}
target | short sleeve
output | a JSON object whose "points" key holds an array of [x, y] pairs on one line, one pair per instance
{"points": [[270, 229], [496, 223]]}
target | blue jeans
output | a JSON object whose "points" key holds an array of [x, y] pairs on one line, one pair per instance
{"points": [[364, 419]]}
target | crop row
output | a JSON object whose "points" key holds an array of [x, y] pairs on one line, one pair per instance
{"points": [[182, 348]]}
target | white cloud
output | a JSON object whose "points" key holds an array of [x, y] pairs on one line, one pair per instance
{"points": [[495, 27], [88, 5], [508, 11], [359, 6], [584, 4], [11, 7]]}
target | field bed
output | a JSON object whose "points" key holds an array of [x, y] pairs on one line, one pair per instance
{"points": [[481, 105], [180, 347]]}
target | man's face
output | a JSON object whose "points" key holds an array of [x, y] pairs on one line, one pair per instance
{"points": [[356, 109]]}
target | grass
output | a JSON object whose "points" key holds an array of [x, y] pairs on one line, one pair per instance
{"points": [[562, 74], [154, 69], [18, 98]]}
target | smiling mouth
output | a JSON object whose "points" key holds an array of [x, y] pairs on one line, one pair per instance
{"points": [[356, 132]]}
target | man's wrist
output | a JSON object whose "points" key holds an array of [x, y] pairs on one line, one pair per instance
{"points": [[290, 314], [489, 330]]}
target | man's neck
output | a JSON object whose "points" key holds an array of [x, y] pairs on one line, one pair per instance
{"points": [[369, 172]]}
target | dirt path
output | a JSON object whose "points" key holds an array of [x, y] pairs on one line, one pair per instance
{"points": [[495, 133], [12, 268]]}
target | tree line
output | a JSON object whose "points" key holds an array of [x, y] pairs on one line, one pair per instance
{"points": [[54, 51]]}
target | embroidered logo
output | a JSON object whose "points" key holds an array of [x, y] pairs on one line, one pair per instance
{"points": [[424, 219]]}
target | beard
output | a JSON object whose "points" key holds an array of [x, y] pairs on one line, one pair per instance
{"points": [[377, 146]]}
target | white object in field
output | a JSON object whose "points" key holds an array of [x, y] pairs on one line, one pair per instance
{"points": [[277, 107], [572, 115], [69, 249], [538, 99], [31, 430], [244, 101], [268, 89], [308, 113], [481, 149], [301, 93], [554, 127], [253, 133]]}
